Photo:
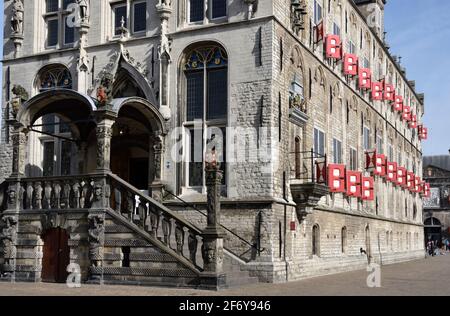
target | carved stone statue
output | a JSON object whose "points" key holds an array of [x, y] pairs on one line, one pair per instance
{"points": [[96, 236], [20, 92], [84, 10], [8, 238], [17, 17], [104, 91], [20, 95]]}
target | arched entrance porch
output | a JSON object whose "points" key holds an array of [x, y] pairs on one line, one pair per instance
{"points": [[136, 144]]}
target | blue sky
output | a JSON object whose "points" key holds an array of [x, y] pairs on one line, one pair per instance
{"points": [[419, 31]]}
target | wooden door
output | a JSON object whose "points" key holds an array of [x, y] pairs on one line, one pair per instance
{"points": [[56, 256]]}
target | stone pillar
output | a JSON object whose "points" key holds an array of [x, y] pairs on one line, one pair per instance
{"points": [[213, 234], [19, 139], [105, 121], [156, 186]]}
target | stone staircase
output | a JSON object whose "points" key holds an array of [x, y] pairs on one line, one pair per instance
{"points": [[232, 265], [120, 235]]}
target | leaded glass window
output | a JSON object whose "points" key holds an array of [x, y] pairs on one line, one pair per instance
{"points": [[219, 8], [55, 77], [48, 159], [120, 13], [133, 15], [59, 34], [196, 10], [206, 75], [139, 16]]}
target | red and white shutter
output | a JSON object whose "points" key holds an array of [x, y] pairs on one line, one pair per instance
{"points": [[389, 92], [413, 122], [410, 181], [398, 103], [350, 65], [333, 47], [406, 115], [423, 132], [391, 171], [402, 177], [364, 78], [417, 185], [353, 183], [321, 171], [370, 160], [377, 91], [380, 165], [336, 178], [367, 192]]}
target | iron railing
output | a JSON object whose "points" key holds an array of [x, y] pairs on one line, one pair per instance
{"points": [[192, 206], [306, 165]]}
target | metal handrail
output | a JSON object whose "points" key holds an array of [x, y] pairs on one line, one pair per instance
{"points": [[187, 204]]}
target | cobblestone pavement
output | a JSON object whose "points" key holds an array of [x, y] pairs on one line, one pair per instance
{"points": [[430, 276]]}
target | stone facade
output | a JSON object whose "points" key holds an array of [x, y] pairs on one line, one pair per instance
{"points": [[267, 47]]}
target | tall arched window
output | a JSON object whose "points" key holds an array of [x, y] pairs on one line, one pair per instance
{"points": [[316, 240], [206, 107], [344, 240], [56, 151]]}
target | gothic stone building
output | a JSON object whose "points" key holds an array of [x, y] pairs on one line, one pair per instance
{"points": [[436, 208], [109, 108]]}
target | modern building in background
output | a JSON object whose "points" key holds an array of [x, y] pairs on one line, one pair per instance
{"points": [[436, 208], [109, 108]]}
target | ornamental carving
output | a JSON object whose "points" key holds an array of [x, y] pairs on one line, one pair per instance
{"points": [[298, 13], [104, 91], [8, 239], [96, 238], [17, 17], [84, 10]]}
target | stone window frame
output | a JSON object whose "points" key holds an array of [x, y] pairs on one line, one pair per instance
{"points": [[187, 126], [129, 25], [60, 15], [184, 14]]}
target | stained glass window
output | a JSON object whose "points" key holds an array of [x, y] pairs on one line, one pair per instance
{"points": [[55, 77], [206, 100]]}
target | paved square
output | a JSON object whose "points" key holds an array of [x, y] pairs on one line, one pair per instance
{"points": [[429, 276]]}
